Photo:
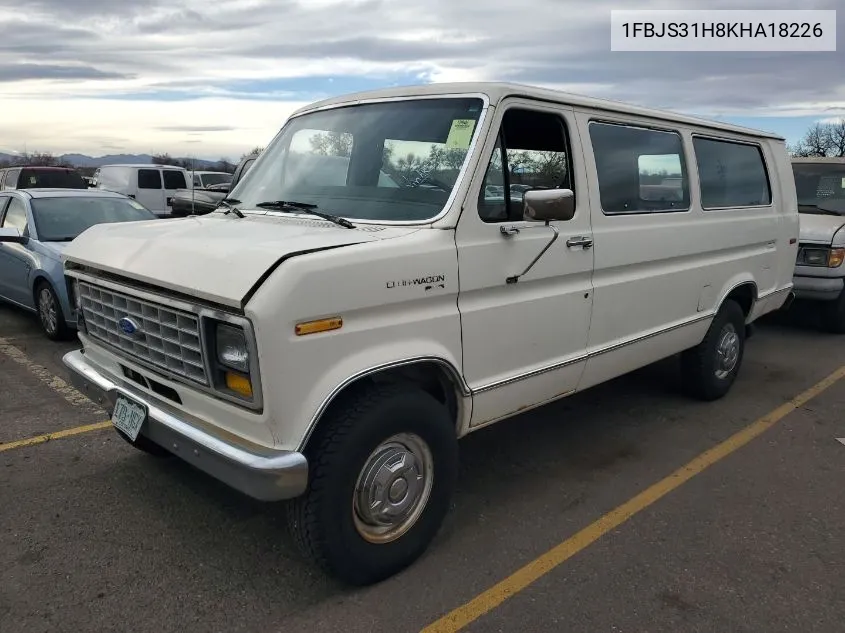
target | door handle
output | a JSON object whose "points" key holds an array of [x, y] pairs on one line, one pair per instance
{"points": [[584, 241]]}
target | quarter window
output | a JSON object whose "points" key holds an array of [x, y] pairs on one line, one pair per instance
{"points": [[531, 153], [639, 170], [731, 174]]}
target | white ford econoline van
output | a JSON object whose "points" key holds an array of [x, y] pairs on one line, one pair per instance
{"points": [[488, 248], [151, 185]]}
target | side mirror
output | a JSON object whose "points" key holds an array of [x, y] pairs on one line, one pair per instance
{"points": [[12, 235], [544, 205]]}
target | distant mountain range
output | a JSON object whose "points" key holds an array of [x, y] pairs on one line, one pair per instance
{"points": [[82, 160]]}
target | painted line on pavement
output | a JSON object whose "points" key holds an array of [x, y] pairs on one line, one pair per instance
{"points": [[73, 396], [539, 567], [40, 439]]}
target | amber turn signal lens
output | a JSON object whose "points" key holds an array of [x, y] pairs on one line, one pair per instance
{"points": [[320, 325], [239, 384]]}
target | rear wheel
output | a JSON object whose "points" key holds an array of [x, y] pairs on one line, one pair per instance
{"points": [[50, 312], [833, 315], [382, 471], [710, 368]]}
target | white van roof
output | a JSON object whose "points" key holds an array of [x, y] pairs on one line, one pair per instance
{"points": [[143, 166], [496, 91]]}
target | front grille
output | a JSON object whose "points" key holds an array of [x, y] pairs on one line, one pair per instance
{"points": [[165, 338]]}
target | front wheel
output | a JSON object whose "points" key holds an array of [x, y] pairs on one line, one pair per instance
{"points": [[50, 312], [383, 468], [710, 368]]}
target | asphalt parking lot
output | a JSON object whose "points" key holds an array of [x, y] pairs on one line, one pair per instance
{"points": [[602, 512]]}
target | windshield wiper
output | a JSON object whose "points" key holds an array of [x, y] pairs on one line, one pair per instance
{"points": [[227, 202], [66, 238], [286, 205]]}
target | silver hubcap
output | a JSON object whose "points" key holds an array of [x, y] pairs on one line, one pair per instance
{"points": [[47, 310], [727, 352], [393, 488]]}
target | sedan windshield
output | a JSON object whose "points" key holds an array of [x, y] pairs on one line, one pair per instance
{"points": [[388, 161], [820, 187], [62, 219]]}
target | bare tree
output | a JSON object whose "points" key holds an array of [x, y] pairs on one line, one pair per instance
{"points": [[332, 143]]}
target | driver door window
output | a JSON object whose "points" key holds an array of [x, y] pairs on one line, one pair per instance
{"points": [[531, 153]]}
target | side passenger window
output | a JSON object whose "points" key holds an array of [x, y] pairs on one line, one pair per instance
{"points": [[149, 179], [731, 174], [531, 153], [639, 170]]}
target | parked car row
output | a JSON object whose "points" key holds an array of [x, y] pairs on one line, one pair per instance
{"points": [[400, 268]]}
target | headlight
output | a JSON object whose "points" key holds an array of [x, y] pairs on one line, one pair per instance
{"points": [[232, 349], [827, 257]]}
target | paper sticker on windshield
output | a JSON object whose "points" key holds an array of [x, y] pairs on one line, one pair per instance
{"points": [[33, 180], [460, 134], [843, 183]]}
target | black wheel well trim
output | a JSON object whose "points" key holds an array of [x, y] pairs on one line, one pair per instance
{"points": [[752, 300], [39, 278], [454, 389]]}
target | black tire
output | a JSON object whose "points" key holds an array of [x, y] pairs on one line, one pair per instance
{"points": [[145, 445], [833, 315], [700, 365], [49, 312], [323, 522]]}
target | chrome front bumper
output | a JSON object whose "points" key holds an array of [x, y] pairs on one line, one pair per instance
{"points": [[261, 473]]}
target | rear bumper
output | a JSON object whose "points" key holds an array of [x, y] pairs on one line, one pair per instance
{"points": [[261, 473], [818, 288]]}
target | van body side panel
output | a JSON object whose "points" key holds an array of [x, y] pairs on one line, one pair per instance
{"points": [[660, 275]]}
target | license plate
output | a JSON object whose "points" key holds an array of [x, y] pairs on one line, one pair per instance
{"points": [[128, 417]]}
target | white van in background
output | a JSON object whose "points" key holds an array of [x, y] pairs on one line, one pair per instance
{"points": [[151, 185]]}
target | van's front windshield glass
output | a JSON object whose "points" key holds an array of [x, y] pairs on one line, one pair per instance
{"points": [[387, 161], [820, 187]]}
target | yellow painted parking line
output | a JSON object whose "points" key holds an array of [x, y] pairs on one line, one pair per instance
{"points": [[40, 439], [74, 396], [539, 567]]}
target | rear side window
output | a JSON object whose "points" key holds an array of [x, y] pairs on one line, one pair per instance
{"points": [[731, 174], [11, 181], [174, 179], [15, 216], [640, 170], [149, 179], [61, 178]]}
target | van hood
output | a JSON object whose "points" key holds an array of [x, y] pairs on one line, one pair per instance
{"points": [[820, 229], [213, 257]]}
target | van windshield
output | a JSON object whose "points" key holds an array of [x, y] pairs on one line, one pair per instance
{"points": [[387, 161], [820, 187]]}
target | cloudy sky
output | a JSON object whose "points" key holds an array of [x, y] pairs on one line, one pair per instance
{"points": [[215, 79]]}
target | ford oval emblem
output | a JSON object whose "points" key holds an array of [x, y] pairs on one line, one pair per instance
{"points": [[127, 326]]}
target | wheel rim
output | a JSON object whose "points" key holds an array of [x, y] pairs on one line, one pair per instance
{"points": [[393, 488], [727, 351], [47, 310]]}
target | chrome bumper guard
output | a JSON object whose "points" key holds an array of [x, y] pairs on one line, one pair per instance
{"points": [[264, 474]]}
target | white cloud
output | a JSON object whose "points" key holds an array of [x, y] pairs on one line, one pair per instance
{"points": [[59, 59]]}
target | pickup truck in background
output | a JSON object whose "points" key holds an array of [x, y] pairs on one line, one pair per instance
{"points": [[199, 201]]}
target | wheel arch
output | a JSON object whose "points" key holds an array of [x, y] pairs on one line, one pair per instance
{"points": [[744, 292], [436, 376]]}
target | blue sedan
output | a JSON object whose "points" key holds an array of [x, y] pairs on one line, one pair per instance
{"points": [[35, 227]]}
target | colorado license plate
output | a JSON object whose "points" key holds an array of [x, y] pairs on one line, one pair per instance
{"points": [[128, 417]]}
